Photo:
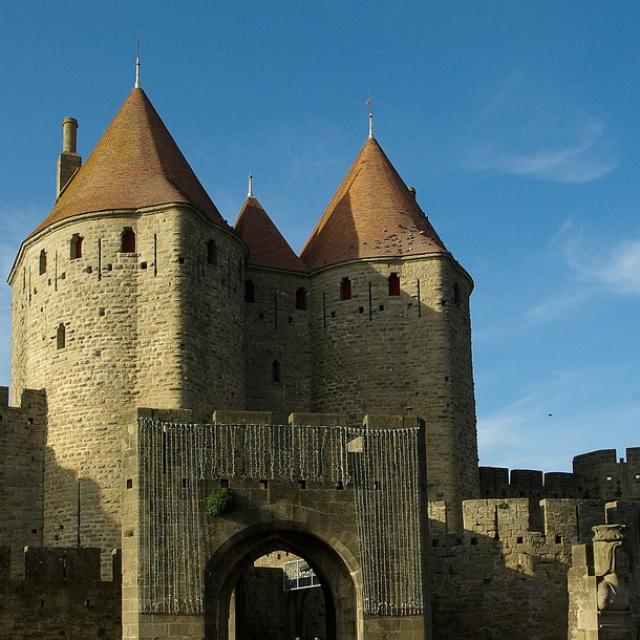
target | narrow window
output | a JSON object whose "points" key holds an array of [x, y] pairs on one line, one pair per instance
{"points": [[76, 246], [275, 371], [456, 293], [301, 299], [212, 252], [61, 336], [128, 241], [394, 285], [249, 291], [43, 262], [345, 289]]}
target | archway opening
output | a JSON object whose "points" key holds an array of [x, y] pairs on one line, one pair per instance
{"points": [[251, 592], [280, 597]]}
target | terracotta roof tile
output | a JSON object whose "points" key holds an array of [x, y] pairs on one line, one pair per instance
{"points": [[267, 246], [372, 214], [135, 164]]}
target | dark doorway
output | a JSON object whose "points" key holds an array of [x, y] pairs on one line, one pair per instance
{"points": [[279, 597], [248, 597]]}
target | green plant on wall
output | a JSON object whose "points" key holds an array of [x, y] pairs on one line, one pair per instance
{"points": [[220, 501]]}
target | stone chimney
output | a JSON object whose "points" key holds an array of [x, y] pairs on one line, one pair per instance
{"points": [[69, 161]]}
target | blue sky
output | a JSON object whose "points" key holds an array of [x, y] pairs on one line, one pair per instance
{"points": [[516, 122]]}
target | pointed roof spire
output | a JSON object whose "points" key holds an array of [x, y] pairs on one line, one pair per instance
{"points": [[267, 246], [369, 104], [372, 214], [250, 185], [137, 84], [135, 164]]}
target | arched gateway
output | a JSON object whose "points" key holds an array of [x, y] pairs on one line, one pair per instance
{"points": [[350, 500]]}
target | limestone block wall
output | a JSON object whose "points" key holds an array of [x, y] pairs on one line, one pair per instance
{"points": [[212, 318], [127, 341], [599, 474], [505, 575], [59, 596], [171, 546], [278, 332], [408, 354], [499, 482], [22, 433]]}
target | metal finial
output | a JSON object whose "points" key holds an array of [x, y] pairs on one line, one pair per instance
{"points": [[250, 186], [137, 84], [369, 104]]}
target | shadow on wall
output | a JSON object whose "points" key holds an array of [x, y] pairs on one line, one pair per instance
{"points": [[76, 511], [505, 577], [64, 590], [61, 595]]}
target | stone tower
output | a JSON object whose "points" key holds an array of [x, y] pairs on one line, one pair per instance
{"points": [[128, 294], [391, 325], [278, 356]]}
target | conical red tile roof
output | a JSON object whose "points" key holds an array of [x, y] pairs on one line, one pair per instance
{"points": [[135, 164], [267, 246], [372, 214]]}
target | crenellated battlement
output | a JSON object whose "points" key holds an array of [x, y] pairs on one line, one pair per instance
{"points": [[601, 474], [596, 474], [75, 568], [22, 434], [508, 569], [59, 594], [514, 523]]}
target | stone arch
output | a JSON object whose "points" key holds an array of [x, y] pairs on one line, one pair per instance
{"points": [[334, 565]]}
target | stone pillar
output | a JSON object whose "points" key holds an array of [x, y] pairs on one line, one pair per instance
{"points": [[406, 627], [136, 624], [603, 598]]}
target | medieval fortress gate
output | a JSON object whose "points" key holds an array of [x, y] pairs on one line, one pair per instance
{"points": [[348, 499], [159, 353]]}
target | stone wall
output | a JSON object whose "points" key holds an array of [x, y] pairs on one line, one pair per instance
{"points": [[115, 330], [22, 433], [275, 331], [506, 576], [59, 596], [408, 354], [181, 565], [597, 474], [212, 319]]}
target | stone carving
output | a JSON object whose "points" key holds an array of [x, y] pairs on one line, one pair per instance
{"points": [[613, 565]]}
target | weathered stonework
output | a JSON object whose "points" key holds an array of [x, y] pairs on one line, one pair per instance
{"points": [[406, 354], [134, 324]]}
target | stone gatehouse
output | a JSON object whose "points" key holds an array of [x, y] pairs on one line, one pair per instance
{"points": [[161, 356]]}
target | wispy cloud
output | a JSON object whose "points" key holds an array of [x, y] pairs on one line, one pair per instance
{"points": [[600, 269], [530, 126], [587, 159], [616, 268]]}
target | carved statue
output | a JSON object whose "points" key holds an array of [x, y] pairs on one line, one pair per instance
{"points": [[613, 565]]}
